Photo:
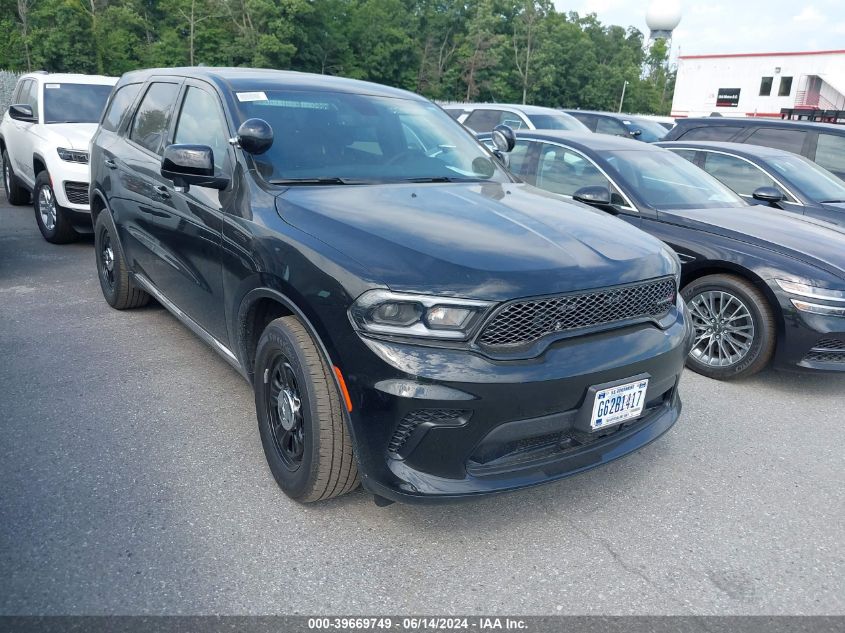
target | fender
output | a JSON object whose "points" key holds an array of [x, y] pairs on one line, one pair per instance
{"points": [[268, 293]]}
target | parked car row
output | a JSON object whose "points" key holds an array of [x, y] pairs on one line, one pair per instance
{"points": [[411, 315]]}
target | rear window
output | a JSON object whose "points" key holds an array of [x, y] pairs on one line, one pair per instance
{"points": [[74, 103], [121, 101], [715, 133]]}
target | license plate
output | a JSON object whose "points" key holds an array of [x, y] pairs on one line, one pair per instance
{"points": [[617, 404]]}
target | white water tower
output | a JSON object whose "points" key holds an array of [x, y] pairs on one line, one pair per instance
{"points": [[662, 17]]}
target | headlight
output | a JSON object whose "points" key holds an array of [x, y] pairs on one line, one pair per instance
{"points": [[812, 292], [73, 155], [385, 312]]}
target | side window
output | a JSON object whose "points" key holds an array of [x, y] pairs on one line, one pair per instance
{"points": [[689, 154], [779, 138], [455, 114], [483, 121], [29, 95], [153, 117], [610, 126], [201, 123], [735, 173], [119, 104], [518, 160], [715, 133], [16, 96], [563, 171], [512, 120], [830, 153], [590, 120]]}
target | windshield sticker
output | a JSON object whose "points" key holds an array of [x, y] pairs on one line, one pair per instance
{"points": [[252, 96], [52, 86]]}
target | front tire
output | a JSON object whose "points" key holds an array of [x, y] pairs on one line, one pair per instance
{"points": [[119, 290], [300, 420], [51, 218], [16, 194], [735, 332]]}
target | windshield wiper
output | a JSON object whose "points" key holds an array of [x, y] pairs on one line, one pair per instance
{"points": [[315, 181], [832, 201], [441, 179]]}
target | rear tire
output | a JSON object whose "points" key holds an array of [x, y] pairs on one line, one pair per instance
{"points": [[300, 419], [16, 193], [119, 290], [735, 331], [51, 218]]}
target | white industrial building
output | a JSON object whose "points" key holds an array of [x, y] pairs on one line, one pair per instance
{"points": [[759, 84]]}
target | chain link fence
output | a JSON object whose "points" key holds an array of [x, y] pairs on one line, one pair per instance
{"points": [[8, 80]]}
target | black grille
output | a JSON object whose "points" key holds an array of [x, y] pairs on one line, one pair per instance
{"points": [[77, 192], [830, 344], [524, 322], [826, 357], [413, 419]]}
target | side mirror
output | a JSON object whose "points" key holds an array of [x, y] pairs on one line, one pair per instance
{"points": [[255, 136], [769, 195], [22, 112], [504, 138], [636, 133], [598, 197], [189, 165]]}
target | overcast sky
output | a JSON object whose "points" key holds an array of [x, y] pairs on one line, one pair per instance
{"points": [[734, 26]]}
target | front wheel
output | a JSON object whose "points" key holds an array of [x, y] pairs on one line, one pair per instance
{"points": [[51, 218], [300, 420], [734, 327]]}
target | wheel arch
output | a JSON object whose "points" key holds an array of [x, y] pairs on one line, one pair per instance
{"points": [[98, 204], [257, 309], [2, 144], [39, 164], [706, 268]]}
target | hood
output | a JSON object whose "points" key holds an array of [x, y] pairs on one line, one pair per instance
{"points": [[812, 241], [479, 240], [72, 135]]}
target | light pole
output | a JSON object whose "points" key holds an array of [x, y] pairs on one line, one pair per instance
{"points": [[625, 85]]}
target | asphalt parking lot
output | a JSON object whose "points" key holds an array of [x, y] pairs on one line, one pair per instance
{"points": [[132, 481]]}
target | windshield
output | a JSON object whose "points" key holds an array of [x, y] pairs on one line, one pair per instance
{"points": [[815, 181], [649, 130], [354, 138], [557, 122], [74, 103], [665, 181]]}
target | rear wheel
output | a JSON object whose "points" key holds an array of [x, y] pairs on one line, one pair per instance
{"points": [[734, 327], [300, 420], [118, 289], [51, 218], [15, 193]]}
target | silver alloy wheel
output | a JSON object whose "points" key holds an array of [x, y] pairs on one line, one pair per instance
{"points": [[47, 207], [7, 177], [724, 328]]}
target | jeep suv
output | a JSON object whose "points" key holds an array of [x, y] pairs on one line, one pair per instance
{"points": [[409, 315], [44, 140]]}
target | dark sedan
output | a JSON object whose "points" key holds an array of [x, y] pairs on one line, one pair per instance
{"points": [[770, 176], [763, 285]]}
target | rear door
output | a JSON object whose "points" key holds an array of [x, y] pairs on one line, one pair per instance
{"points": [[141, 197]]}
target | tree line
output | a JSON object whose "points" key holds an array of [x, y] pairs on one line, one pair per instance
{"points": [[471, 50]]}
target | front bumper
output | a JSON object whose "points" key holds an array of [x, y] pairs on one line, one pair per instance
{"points": [[70, 184], [809, 342], [435, 423]]}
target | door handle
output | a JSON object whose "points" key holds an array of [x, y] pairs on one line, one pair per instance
{"points": [[162, 191], [110, 163]]}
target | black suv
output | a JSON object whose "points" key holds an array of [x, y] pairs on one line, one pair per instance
{"points": [[620, 125], [409, 315], [822, 143]]}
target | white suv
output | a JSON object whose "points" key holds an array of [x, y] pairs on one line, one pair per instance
{"points": [[44, 140]]}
